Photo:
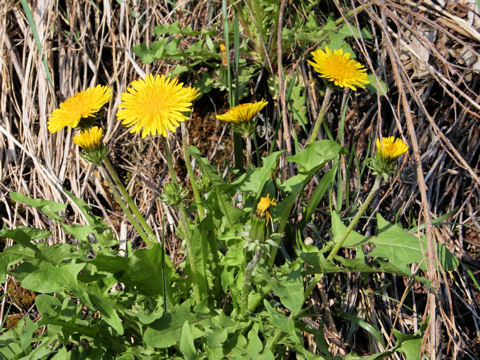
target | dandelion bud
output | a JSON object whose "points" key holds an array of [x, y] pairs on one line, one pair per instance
{"points": [[388, 151]]}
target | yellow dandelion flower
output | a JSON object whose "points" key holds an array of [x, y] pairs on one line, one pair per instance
{"points": [[390, 148], [263, 206], [338, 67], [243, 113], [155, 105], [223, 51], [89, 139], [84, 104]]}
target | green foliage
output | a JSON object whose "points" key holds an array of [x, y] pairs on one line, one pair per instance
{"points": [[169, 47], [133, 306], [394, 244], [201, 51]]}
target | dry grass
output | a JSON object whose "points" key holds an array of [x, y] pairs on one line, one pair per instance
{"points": [[426, 53]]}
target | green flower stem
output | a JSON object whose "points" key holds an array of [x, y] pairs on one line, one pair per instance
{"points": [[339, 244], [238, 150], [357, 217], [196, 193], [248, 141], [124, 207], [247, 277], [321, 114], [150, 237], [146, 238], [257, 152], [183, 221]]}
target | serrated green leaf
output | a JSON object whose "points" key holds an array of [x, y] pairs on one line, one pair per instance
{"points": [[268, 355], [394, 244], [400, 247], [410, 345], [94, 298], [145, 271], [254, 345], [337, 41], [447, 260], [126, 357], [214, 341], [186, 342], [79, 232], [289, 288], [19, 236], [376, 356], [330, 24], [202, 252], [48, 306], [316, 155], [61, 354], [35, 234], [256, 179], [237, 348], [309, 161], [148, 317], [366, 34], [297, 103], [321, 266], [209, 43], [175, 29], [152, 53], [100, 229], [323, 185], [49, 279], [380, 88], [25, 329], [218, 335], [43, 348], [207, 169], [168, 29], [10, 345], [13, 255], [110, 264], [49, 208], [354, 239], [167, 331], [279, 320], [348, 30]]}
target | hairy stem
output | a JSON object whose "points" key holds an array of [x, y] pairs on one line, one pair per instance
{"points": [[196, 193], [247, 277], [321, 115], [183, 221], [357, 217], [148, 235]]}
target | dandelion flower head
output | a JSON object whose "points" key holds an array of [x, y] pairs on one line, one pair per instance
{"points": [[337, 67], [243, 113], [390, 148], [263, 206], [223, 51], [155, 105], [84, 104], [89, 139]]}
